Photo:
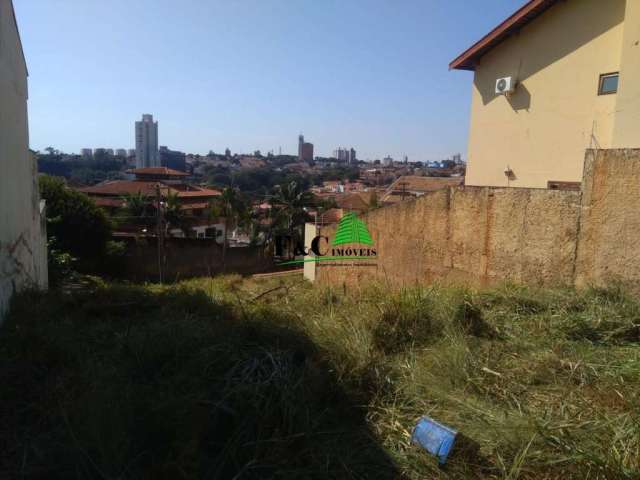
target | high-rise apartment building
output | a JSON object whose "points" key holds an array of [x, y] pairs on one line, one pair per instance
{"points": [[305, 150], [101, 153], [345, 155], [173, 159], [86, 152], [147, 142], [341, 154]]}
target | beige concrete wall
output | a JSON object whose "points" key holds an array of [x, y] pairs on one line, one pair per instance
{"points": [[22, 228], [609, 244], [627, 117], [485, 235], [542, 132], [471, 235]]}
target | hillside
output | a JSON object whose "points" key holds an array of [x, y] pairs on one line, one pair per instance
{"points": [[244, 378]]}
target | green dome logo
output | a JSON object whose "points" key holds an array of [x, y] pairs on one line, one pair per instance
{"points": [[352, 243], [352, 230]]}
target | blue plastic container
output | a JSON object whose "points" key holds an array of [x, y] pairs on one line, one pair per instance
{"points": [[434, 437]]}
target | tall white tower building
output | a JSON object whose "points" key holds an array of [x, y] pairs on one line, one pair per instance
{"points": [[300, 145], [147, 142]]}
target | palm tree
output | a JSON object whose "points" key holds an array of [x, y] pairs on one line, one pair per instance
{"points": [[235, 212], [136, 206], [174, 215], [289, 204]]}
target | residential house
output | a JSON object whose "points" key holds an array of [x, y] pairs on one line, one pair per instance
{"points": [[357, 202], [249, 162], [411, 186], [339, 186], [568, 73], [153, 181], [333, 215], [298, 167], [23, 245]]}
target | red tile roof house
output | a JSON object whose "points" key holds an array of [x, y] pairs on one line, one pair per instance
{"points": [[411, 186], [357, 202], [194, 200], [333, 215]]}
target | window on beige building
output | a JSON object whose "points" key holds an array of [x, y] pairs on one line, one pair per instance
{"points": [[608, 83]]}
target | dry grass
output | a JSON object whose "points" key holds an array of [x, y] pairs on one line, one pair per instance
{"points": [[214, 378]]}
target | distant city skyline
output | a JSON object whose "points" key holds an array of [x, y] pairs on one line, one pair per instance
{"points": [[266, 72], [348, 155]]}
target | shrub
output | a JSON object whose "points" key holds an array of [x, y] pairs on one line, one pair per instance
{"points": [[76, 224], [60, 264]]}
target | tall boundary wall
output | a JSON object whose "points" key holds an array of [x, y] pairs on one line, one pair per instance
{"points": [[23, 236], [188, 258], [609, 236], [483, 235]]}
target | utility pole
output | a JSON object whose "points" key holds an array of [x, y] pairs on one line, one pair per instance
{"points": [[403, 192], [159, 231]]}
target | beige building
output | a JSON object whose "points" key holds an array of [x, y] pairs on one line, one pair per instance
{"points": [[571, 73], [23, 250]]}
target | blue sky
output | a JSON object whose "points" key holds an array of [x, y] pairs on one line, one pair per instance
{"points": [[253, 74]]}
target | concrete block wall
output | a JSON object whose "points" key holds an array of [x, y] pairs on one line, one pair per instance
{"points": [[483, 235], [609, 239], [188, 258]]}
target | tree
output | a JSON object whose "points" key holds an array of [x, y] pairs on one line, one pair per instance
{"points": [[353, 176], [374, 201], [75, 224], [289, 203], [235, 212], [174, 215], [137, 208]]}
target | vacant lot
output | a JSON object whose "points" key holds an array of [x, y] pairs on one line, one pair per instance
{"points": [[233, 378]]}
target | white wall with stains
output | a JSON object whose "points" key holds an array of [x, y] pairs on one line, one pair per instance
{"points": [[23, 255]]}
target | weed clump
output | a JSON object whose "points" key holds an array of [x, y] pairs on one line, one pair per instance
{"points": [[405, 322], [470, 320], [606, 316]]}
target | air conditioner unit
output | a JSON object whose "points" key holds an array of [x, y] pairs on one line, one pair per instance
{"points": [[505, 85]]}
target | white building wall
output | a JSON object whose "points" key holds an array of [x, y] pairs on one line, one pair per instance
{"points": [[23, 255]]}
